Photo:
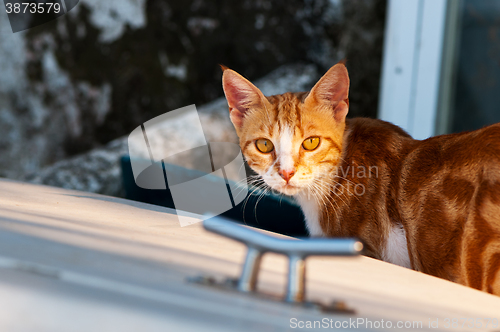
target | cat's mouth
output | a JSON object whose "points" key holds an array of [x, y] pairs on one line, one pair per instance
{"points": [[289, 189]]}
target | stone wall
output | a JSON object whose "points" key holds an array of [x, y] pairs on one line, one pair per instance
{"points": [[99, 169], [76, 84]]}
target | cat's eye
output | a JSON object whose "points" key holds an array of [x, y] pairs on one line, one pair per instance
{"points": [[310, 143], [264, 145]]}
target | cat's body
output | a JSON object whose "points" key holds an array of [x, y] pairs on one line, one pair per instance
{"points": [[431, 205], [434, 205]]}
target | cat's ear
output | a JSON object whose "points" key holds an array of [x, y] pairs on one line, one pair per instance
{"points": [[332, 91], [241, 96]]}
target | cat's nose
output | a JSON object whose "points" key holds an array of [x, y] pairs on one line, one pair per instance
{"points": [[286, 175]]}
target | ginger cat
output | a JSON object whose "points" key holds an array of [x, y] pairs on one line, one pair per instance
{"points": [[431, 205]]}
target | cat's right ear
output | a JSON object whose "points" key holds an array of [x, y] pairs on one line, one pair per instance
{"points": [[241, 96], [332, 92]]}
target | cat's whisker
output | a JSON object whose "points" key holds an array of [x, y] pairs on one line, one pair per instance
{"points": [[257, 203], [346, 179], [241, 166], [248, 198], [344, 188], [354, 193], [321, 185], [242, 183], [244, 186], [316, 191], [253, 181], [349, 181], [281, 197]]}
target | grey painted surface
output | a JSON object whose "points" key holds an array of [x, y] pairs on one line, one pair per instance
{"points": [[74, 261]]}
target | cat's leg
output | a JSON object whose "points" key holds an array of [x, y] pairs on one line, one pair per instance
{"points": [[481, 265], [480, 259], [493, 274]]}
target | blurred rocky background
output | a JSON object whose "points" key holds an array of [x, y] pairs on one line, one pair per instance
{"points": [[71, 90]]}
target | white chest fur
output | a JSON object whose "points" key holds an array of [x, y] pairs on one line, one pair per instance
{"points": [[396, 248], [310, 209]]}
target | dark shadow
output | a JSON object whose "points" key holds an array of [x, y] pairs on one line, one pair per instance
{"points": [[275, 213]]}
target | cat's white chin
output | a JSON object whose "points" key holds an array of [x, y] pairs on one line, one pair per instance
{"points": [[289, 190]]}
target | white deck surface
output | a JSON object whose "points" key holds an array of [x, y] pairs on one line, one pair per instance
{"points": [[74, 261]]}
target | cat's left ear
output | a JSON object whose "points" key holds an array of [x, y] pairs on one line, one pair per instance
{"points": [[332, 91], [242, 96]]}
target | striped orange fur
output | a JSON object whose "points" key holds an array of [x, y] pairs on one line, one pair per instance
{"points": [[431, 205]]}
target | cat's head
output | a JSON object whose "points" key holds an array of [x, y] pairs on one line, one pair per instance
{"points": [[294, 140]]}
